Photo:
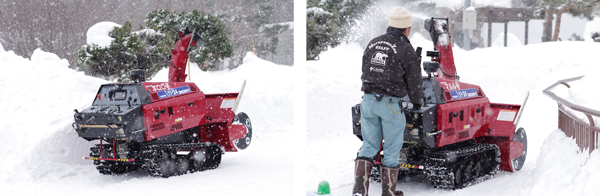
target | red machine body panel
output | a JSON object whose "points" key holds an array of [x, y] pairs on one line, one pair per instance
{"points": [[178, 106], [501, 132], [461, 121], [219, 126], [172, 113]]}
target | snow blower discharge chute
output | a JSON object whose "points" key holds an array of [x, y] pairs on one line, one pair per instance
{"points": [[166, 128], [458, 138]]}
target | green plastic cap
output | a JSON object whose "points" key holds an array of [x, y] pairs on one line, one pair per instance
{"points": [[323, 188]]}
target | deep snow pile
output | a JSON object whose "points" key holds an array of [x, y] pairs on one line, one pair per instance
{"points": [[562, 171], [40, 149], [505, 75], [37, 99], [98, 34]]}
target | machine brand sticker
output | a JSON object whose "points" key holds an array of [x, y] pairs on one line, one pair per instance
{"points": [[163, 86], [179, 119], [173, 92], [451, 85], [467, 126], [228, 103], [463, 93], [507, 115]]}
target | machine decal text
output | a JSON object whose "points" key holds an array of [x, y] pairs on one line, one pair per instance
{"points": [[173, 92]]}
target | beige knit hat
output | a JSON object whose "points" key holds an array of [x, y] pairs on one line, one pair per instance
{"points": [[399, 18]]}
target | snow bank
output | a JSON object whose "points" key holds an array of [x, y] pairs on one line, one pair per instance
{"points": [[590, 28], [38, 97], [98, 33], [511, 40], [40, 147], [562, 171], [1, 48]]}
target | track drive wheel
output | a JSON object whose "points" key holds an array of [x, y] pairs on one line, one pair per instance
{"points": [[477, 169], [520, 136], [197, 159], [459, 175], [166, 165], [182, 165], [242, 118], [213, 157]]}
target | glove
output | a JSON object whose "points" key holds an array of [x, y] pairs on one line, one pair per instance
{"points": [[416, 105]]}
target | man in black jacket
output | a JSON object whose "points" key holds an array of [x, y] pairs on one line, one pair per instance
{"points": [[391, 71]]}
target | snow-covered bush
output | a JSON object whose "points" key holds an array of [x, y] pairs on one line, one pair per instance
{"points": [[328, 23], [216, 46], [114, 60]]}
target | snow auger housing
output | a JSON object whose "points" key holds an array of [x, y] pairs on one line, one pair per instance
{"points": [[458, 137], [167, 128]]}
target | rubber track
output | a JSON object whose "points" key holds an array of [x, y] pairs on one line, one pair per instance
{"points": [[151, 155], [439, 171]]}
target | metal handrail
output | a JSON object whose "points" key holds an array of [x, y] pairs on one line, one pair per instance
{"points": [[585, 110]]}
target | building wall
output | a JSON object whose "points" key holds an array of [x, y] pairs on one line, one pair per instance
{"points": [[569, 25]]}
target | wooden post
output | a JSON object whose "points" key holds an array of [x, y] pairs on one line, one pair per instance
{"points": [[489, 34], [526, 31], [592, 141], [505, 32]]}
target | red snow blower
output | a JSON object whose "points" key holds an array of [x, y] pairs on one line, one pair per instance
{"points": [[167, 128]]}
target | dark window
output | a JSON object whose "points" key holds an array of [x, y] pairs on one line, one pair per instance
{"points": [[171, 111], [156, 115], [450, 117], [461, 115]]}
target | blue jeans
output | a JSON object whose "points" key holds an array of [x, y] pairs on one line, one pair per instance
{"points": [[377, 121]]}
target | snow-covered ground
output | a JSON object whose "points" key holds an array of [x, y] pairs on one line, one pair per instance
{"points": [[40, 154], [506, 74]]}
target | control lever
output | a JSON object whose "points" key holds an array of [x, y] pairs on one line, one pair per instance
{"points": [[129, 102]]}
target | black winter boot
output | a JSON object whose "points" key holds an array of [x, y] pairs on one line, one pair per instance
{"points": [[362, 171], [389, 178]]}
